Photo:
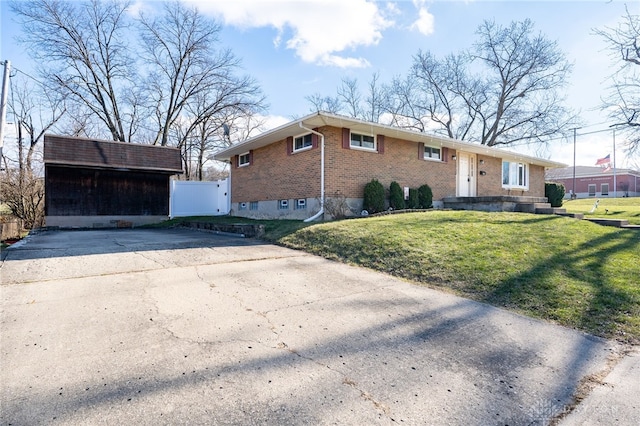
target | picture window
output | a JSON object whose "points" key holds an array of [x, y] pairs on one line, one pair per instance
{"points": [[515, 175]]}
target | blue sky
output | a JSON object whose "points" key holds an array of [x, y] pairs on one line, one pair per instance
{"points": [[295, 48]]}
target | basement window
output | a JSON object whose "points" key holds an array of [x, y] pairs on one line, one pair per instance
{"points": [[283, 204], [253, 205], [301, 204]]}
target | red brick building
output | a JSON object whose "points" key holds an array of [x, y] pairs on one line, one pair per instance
{"points": [[594, 182], [283, 173], [97, 183]]}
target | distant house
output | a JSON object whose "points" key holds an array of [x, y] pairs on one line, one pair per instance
{"points": [[286, 172], [96, 183], [594, 182]]}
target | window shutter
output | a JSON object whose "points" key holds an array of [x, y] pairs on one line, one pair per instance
{"points": [[250, 157], [346, 138], [421, 151], [314, 139], [445, 154], [289, 145], [380, 144], [236, 161]]}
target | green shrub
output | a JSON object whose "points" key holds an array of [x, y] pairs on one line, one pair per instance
{"points": [[425, 197], [413, 202], [373, 197], [396, 196], [554, 193]]}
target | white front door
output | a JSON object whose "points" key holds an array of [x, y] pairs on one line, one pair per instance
{"points": [[466, 175]]}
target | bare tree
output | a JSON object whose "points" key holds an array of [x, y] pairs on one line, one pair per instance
{"points": [[623, 100], [324, 103], [180, 47], [350, 97], [34, 112], [515, 95], [84, 48]]}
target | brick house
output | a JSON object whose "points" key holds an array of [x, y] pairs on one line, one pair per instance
{"points": [[596, 182], [283, 173], [97, 183]]}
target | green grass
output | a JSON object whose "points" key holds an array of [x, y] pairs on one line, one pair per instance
{"points": [[618, 208], [572, 272]]}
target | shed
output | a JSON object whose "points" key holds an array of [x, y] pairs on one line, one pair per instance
{"points": [[98, 183]]}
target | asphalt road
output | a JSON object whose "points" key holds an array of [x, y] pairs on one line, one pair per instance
{"points": [[179, 326]]}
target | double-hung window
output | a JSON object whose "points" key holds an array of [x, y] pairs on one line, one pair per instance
{"points": [[302, 142], [431, 153], [363, 141], [515, 175]]}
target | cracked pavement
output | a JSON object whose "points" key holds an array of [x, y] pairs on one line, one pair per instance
{"points": [[180, 326]]}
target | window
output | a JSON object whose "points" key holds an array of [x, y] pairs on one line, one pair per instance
{"points": [[592, 190], [301, 204], [242, 206], [604, 189], [283, 204], [363, 141], [303, 142], [515, 175], [432, 153], [244, 159], [253, 205]]}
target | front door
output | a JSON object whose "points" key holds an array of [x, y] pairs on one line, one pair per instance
{"points": [[466, 175]]}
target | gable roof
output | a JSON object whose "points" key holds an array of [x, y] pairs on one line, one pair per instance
{"points": [[92, 153], [321, 118]]}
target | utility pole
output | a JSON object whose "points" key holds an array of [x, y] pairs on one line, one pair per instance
{"points": [[574, 165], [615, 188], [3, 102]]}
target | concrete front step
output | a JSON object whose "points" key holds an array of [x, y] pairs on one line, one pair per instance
{"points": [[530, 207], [550, 210], [573, 215], [618, 223]]}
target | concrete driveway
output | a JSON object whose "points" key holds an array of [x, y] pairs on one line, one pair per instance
{"points": [[179, 326]]}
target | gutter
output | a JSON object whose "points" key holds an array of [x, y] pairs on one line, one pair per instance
{"points": [[321, 212]]}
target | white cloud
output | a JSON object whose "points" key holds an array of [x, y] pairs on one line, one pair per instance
{"points": [[320, 29], [425, 23]]}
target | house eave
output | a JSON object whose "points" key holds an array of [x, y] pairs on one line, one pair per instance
{"points": [[320, 119]]}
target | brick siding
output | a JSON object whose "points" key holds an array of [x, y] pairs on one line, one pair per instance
{"points": [[274, 174]]}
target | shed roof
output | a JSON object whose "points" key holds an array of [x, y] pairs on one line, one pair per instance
{"points": [[93, 153], [319, 119]]}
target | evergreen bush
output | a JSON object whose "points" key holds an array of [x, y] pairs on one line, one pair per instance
{"points": [[413, 202], [554, 193], [373, 197], [396, 196], [425, 197]]}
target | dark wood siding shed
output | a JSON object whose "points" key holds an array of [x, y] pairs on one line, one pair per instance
{"points": [[87, 177]]}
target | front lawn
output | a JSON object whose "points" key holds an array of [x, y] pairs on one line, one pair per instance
{"points": [[572, 272], [614, 208]]}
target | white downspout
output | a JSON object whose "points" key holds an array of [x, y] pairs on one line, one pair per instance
{"points": [[321, 212]]}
